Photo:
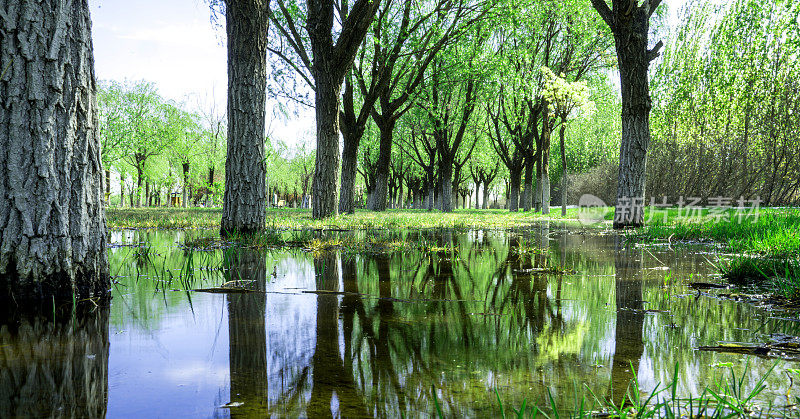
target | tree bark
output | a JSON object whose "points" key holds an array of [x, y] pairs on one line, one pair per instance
{"points": [[380, 195], [545, 152], [630, 24], [326, 174], [527, 195], [349, 166], [244, 203], [185, 184], [52, 217], [513, 191]]}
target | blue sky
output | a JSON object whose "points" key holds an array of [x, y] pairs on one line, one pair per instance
{"points": [[174, 44]]}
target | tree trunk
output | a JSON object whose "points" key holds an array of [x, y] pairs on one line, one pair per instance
{"points": [[384, 155], [52, 218], [513, 191], [139, 179], [527, 196], [244, 203], [121, 191], [629, 211], [326, 174], [545, 177], [108, 187], [446, 186], [185, 184], [631, 26], [561, 133], [349, 166], [485, 195]]}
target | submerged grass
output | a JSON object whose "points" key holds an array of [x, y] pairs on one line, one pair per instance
{"points": [[730, 395]]}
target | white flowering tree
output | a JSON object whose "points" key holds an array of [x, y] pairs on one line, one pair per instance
{"points": [[568, 100]]}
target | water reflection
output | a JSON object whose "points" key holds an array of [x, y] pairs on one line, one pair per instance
{"points": [[54, 363], [333, 334], [247, 332], [628, 344]]}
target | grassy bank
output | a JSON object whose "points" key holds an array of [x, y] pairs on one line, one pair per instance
{"points": [[767, 248]]}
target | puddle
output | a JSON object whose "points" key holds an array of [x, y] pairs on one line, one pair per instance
{"points": [[530, 313]]}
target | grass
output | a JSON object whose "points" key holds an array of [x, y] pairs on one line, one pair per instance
{"points": [[729, 396], [767, 248], [288, 219]]}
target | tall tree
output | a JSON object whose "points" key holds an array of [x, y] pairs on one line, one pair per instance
{"points": [[630, 23], [322, 62], [244, 205], [52, 219]]}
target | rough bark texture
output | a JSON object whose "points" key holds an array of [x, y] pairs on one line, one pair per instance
{"points": [[630, 24], [52, 219], [244, 204], [330, 64], [326, 173]]}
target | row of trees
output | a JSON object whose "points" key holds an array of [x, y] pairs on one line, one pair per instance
{"points": [[160, 149], [440, 80]]}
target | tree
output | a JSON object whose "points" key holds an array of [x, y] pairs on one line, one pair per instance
{"points": [[52, 240], [566, 98], [630, 23], [244, 204], [315, 55]]}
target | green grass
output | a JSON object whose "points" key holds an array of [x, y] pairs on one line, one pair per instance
{"points": [[731, 395], [298, 219]]}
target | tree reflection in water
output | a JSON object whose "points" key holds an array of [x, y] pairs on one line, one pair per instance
{"points": [[629, 346], [54, 363], [247, 331]]}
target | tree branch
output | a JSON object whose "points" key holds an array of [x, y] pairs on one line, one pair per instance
{"points": [[605, 12], [653, 53]]}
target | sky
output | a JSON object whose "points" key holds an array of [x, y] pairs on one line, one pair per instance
{"points": [[174, 44]]}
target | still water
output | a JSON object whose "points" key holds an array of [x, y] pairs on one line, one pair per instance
{"points": [[384, 335]]}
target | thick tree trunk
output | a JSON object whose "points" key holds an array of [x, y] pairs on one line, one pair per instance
{"points": [[326, 174], [633, 65], [384, 155], [52, 217], [446, 186], [485, 195], [244, 203], [631, 26]]}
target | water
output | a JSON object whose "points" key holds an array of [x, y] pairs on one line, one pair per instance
{"points": [[378, 335]]}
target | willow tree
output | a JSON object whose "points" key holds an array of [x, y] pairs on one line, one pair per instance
{"points": [[52, 221], [630, 23], [244, 205]]}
